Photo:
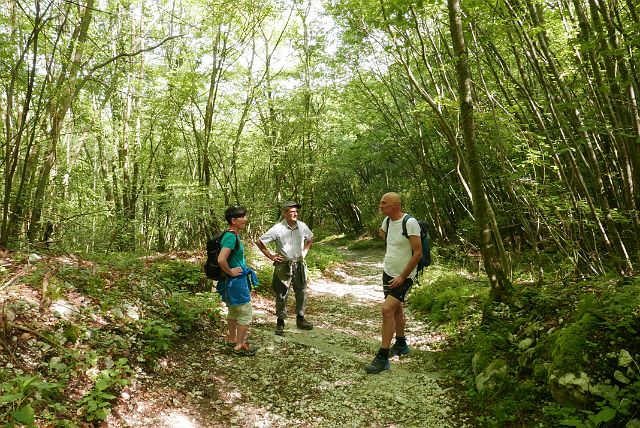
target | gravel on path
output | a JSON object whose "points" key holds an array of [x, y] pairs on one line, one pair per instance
{"points": [[305, 378]]}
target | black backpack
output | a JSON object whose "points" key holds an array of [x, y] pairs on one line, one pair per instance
{"points": [[211, 268], [425, 260]]}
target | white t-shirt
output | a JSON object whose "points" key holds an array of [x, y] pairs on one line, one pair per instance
{"points": [[398, 251], [289, 240]]}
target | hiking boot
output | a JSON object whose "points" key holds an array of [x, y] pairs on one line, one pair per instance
{"points": [[303, 324], [378, 365], [229, 344], [399, 350], [280, 327], [245, 351]]}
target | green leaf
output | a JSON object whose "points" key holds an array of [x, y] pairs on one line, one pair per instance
{"points": [[42, 386], [605, 415], [102, 414], [572, 423], [11, 397], [102, 384], [24, 415]]}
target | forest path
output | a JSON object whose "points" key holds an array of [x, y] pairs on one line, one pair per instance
{"points": [[305, 378]]}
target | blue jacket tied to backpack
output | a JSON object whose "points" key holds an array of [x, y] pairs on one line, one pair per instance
{"points": [[235, 291]]}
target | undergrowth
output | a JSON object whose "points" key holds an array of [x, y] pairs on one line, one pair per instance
{"points": [[560, 353], [95, 320], [321, 257]]}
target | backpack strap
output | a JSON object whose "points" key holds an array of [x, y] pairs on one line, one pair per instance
{"points": [[386, 232], [405, 219]]}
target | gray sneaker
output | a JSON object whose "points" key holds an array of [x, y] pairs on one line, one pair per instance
{"points": [[379, 364], [399, 350]]}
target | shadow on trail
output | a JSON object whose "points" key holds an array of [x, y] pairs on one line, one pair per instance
{"points": [[305, 378]]}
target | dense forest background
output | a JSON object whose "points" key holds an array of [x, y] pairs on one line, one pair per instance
{"points": [[129, 125]]}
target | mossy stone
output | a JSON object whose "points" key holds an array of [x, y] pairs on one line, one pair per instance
{"points": [[569, 346], [540, 372]]}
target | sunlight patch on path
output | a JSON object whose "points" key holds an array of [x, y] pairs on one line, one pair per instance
{"points": [[364, 292], [178, 420], [360, 279]]}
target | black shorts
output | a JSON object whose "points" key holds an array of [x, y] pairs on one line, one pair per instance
{"points": [[398, 292]]}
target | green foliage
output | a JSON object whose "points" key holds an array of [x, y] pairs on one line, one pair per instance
{"points": [[447, 297], [35, 278], [120, 261], [20, 394], [616, 405], [71, 331], [365, 244], [320, 257], [179, 275], [158, 335], [618, 310], [569, 345], [490, 341], [55, 288], [265, 275], [607, 321], [186, 309], [573, 327], [333, 240], [353, 244], [82, 279], [118, 290], [95, 404]]}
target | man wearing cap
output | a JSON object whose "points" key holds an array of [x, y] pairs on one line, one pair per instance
{"points": [[293, 239]]}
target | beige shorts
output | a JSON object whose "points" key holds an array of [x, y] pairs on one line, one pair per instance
{"points": [[241, 313]]}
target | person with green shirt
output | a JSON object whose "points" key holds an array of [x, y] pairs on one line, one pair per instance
{"points": [[235, 286]]}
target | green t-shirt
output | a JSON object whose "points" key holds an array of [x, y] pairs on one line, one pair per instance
{"points": [[236, 259]]}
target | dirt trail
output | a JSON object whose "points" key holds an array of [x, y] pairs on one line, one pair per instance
{"points": [[305, 378]]}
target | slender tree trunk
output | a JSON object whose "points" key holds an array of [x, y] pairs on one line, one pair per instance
{"points": [[67, 83], [217, 54], [309, 122], [500, 284], [15, 129]]}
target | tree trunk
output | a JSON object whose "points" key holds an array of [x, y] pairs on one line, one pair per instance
{"points": [[15, 128], [500, 284], [67, 82]]}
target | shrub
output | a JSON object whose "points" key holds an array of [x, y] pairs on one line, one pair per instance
{"points": [[158, 335], [264, 278], [366, 244], [96, 403], [186, 309], [321, 257], [19, 396], [446, 297], [179, 275]]}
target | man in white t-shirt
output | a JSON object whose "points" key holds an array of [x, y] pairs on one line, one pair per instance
{"points": [[400, 268]]}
